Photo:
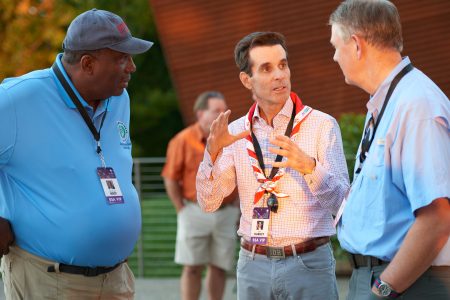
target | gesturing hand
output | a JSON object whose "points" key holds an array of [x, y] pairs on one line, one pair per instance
{"points": [[219, 136], [6, 236], [296, 158]]}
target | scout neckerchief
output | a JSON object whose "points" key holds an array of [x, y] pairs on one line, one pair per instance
{"points": [[106, 174], [269, 185]]}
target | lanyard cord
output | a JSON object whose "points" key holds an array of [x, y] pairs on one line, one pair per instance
{"points": [[82, 110], [391, 89], [258, 148]]}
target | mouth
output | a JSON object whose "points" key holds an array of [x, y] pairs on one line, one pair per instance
{"points": [[124, 83], [279, 89]]}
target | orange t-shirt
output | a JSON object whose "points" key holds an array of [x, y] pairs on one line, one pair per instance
{"points": [[184, 155]]}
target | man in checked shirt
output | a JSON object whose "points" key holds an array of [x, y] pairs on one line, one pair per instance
{"points": [[295, 194]]}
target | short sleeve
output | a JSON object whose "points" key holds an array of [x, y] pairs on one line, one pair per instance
{"points": [[7, 127], [425, 162]]}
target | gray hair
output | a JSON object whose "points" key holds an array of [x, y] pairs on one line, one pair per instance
{"points": [[72, 57], [202, 100], [377, 21]]}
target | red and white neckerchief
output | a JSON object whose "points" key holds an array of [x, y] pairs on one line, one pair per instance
{"points": [[270, 185]]}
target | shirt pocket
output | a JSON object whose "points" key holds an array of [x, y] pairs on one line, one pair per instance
{"points": [[374, 165], [377, 153]]}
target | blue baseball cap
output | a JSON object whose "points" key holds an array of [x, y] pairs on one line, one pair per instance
{"points": [[98, 29]]}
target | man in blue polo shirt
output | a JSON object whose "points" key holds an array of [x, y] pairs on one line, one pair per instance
{"points": [[69, 214], [396, 221]]}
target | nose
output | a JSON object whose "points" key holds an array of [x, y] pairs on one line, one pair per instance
{"points": [[335, 56], [131, 67], [280, 73]]}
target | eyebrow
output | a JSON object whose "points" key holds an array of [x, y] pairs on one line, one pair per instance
{"points": [[262, 66]]}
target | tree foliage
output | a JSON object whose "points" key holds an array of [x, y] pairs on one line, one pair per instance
{"points": [[351, 129], [31, 34]]}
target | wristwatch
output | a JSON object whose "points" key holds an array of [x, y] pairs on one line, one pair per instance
{"points": [[385, 289]]}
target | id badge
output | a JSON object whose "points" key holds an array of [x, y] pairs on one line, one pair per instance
{"points": [[260, 225], [339, 213], [110, 185], [341, 209]]}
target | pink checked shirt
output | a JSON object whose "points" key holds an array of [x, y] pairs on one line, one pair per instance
{"points": [[313, 198]]}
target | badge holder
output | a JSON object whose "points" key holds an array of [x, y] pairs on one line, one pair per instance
{"points": [[260, 225], [109, 182]]}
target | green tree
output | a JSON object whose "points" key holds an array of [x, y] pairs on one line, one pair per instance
{"points": [[155, 116], [31, 34], [351, 126]]}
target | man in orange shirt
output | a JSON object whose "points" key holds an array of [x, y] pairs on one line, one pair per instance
{"points": [[202, 238]]}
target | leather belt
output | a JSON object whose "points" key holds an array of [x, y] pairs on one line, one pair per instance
{"points": [[359, 261], [86, 271], [281, 252]]}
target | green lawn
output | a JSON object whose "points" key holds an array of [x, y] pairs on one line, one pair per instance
{"points": [[159, 225]]}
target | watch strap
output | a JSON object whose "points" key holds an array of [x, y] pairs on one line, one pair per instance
{"points": [[393, 294]]}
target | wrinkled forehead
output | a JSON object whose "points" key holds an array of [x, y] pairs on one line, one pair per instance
{"points": [[267, 54], [215, 103], [339, 32]]}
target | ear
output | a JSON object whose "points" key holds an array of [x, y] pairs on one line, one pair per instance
{"points": [[199, 114], [359, 44], [245, 79], [87, 64]]}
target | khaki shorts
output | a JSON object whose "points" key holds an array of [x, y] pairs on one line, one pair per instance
{"points": [[25, 276], [206, 238]]}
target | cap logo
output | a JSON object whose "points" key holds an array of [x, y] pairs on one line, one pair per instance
{"points": [[122, 28]]}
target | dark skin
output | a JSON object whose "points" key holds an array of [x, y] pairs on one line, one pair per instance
{"points": [[6, 236], [96, 77], [109, 70]]}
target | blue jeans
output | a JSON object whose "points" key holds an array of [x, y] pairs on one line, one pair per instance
{"points": [[305, 276]]}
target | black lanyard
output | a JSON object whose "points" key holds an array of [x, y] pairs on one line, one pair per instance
{"points": [[258, 148], [368, 142], [80, 107]]}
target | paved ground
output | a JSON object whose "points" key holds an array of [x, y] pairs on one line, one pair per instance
{"points": [[168, 289]]}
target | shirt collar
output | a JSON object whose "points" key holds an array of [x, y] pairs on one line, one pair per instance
{"points": [[376, 101], [198, 131], [285, 111], [102, 106]]}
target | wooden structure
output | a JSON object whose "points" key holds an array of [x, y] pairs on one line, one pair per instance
{"points": [[198, 38]]}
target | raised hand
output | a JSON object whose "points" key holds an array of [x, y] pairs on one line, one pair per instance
{"points": [[219, 136], [296, 158]]}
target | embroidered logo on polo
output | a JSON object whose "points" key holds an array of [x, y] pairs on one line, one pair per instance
{"points": [[123, 134]]}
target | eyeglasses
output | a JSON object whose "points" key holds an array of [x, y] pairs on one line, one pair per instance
{"points": [[272, 203]]}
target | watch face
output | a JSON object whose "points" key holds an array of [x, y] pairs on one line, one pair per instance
{"points": [[384, 290]]}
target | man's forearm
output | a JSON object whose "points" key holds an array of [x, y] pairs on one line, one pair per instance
{"points": [[422, 244], [173, 189]]}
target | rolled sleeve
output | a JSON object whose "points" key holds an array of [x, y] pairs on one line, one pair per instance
{"points": [[215, 180], [329, 181]]}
